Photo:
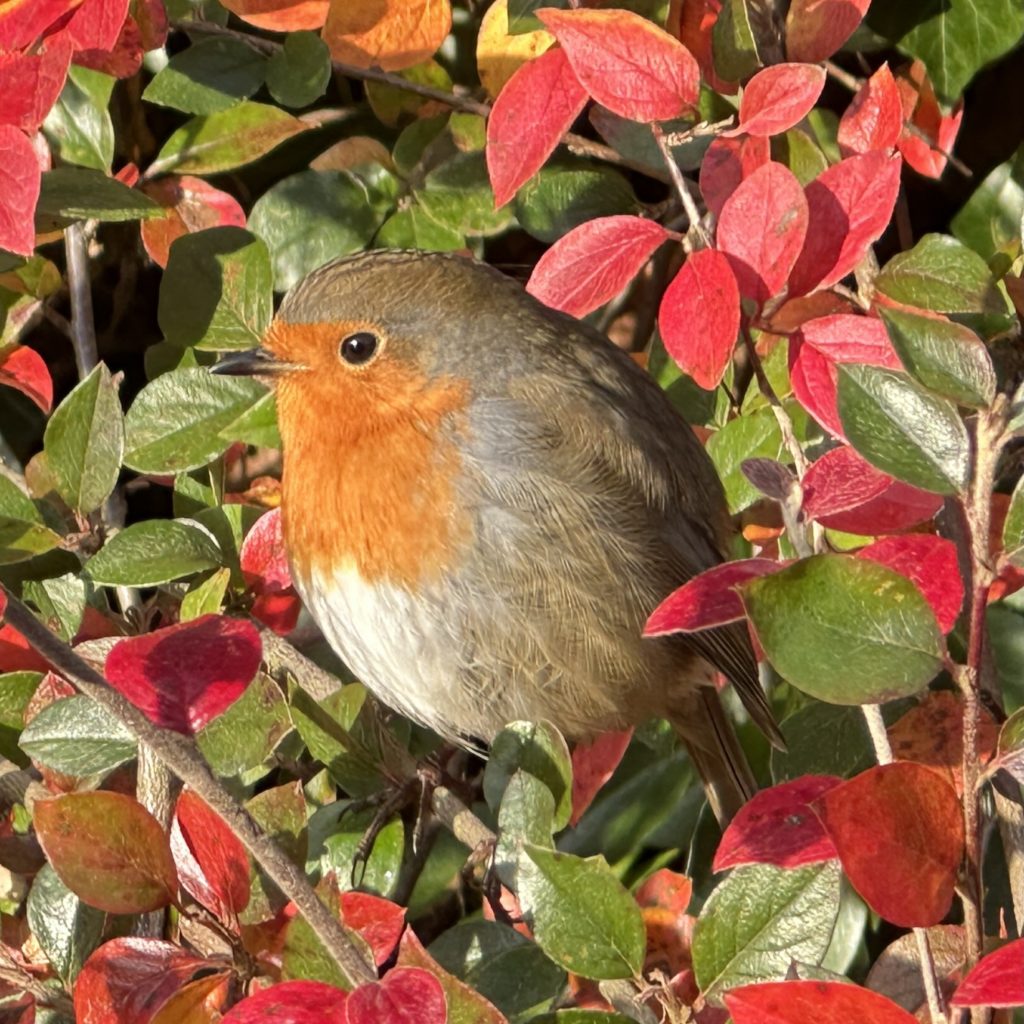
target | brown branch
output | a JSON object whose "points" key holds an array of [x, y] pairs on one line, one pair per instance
{"points": [[465, 104], [181, 757]]}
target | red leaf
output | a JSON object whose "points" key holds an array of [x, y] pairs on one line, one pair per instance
{"points": [[762, 228], [726, 163], [192, 205], [19, 190], [777, 826], [932, 733], [931, 563], [823, 1002], [626, 62], [24, 369], [129, 980], [183, 676], [533, 111], [291, 1002], [406, 994], [667, 890], [379, 921], [700, 317], [125, 57], [928, 133], [849, 206], [874, 120], [844, 492], [996, 980], [594, 262], [463, 1003], [848, 338], [708, 600], [593, 764], [96, 24], [900, 835], [263, 558], [17, 655], [23, 21], [223, 879], [108, 850], [151, 17], [815, 29], [822, 343], [778, 97], [31, 82]]}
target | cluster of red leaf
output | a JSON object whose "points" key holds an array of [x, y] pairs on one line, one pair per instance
{"points": [[109, 850], [39, 40]]}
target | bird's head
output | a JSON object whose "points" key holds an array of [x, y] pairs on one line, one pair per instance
{"points": [[381, 329]]}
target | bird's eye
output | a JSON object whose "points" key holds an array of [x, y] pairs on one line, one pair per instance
{"points": [[359, 348]]}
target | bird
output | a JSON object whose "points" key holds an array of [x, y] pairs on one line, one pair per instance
{"points": [[483, 499]]}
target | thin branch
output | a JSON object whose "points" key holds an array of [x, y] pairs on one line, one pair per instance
{"points": [[182, 758], [83, 331], [852, 82], [466, 104], [877, 731], [682, 187]]}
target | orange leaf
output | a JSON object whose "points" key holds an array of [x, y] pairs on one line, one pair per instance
{"points": [[280, 15], [500, 55], [389, 34]]}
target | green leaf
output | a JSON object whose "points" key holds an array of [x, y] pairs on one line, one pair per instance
{"points": [[526, 815], [955, 38], [84, 442], [257, 425], [458, 195], [76, 736], [903, 429], [22, 530], [241, 741], [1013, 526], [564, 195], [761, 919], [580, 913], [521, 17], [944, 356], [392, 104], [990, 221], [210, 76], [205, 598], [752, 436], [225, 140], [733, 45], [16, 690], [823, 739], [539, 749], [174, 424], [943, 275], [413, 228], [79, 126], [845, 630], [216, 292], [76, 193], [61, 602], [800, 153], [342, 848], [66, 929], [298, 73], [150, 553], [310, 218]]}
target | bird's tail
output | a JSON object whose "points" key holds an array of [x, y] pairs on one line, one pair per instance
{"points": [[715, 751]]}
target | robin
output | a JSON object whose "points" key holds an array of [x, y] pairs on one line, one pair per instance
{"points": [[484, 499]]}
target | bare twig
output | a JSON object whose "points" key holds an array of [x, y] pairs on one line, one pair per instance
{"points": [[682, 187], [852, 82], [182, 758], [83, 331]]}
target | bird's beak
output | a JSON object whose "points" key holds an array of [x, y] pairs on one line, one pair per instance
{"points": [[254, 362]]}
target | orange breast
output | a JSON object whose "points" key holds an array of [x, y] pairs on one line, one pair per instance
{"points": [[370, 463]]}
